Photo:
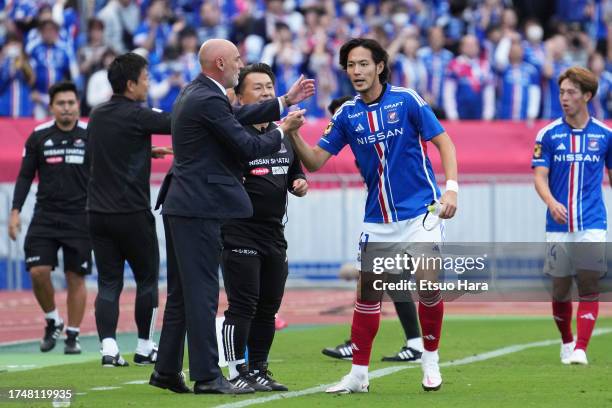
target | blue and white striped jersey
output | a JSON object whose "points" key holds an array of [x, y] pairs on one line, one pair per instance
{"points": [[575, 158], [388, 139]]}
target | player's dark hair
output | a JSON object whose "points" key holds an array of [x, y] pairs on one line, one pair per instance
{"points": [[260, 68], [124, 68], [378, 54], [64, 86], [585, 79], [336, 103]]}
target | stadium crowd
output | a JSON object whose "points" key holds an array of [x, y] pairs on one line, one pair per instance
{"points": [[470, 59]]}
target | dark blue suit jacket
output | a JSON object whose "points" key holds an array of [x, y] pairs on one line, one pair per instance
{"points": [[209, 146]]}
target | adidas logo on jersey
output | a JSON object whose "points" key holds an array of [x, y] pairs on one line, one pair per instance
{"points": [[588, 316], [48, 143], [561, 147], [359, 128]]}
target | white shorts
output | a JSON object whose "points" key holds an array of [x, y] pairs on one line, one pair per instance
{"points": [[409, 234], [568, 252]]}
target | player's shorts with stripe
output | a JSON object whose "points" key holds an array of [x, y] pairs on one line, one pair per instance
{"points": [[406, 236], [42, 251], [569, 252]]}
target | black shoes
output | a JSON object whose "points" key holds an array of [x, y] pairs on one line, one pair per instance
{"points": [[52, 332], [139, 359], [341, 351], [172, 382], [114, 361], [219, 385], [405, 355], [261, 376], [245, 380], [72, 344]]}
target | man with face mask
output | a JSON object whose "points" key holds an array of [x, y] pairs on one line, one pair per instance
{"points": [[16, 79]]}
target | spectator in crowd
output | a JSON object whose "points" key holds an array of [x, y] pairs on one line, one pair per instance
{"points": [[509, 22], [535, 53], [554, 65], [34, 36], [454, 25], [468, 88], [597, 28], [600, 105], [23, 14], [120, 18], [153, 33], [188, 48], [99, 89], [52, 62], [313, 22], [168, 78], [579, 46], [248, 22], [90, 55], [519, 83], [16, 79], [282, 47], [436, 59], [320, 63], [211, 25], [487, 15], [276, 12], [408, 70], [65, 14]]}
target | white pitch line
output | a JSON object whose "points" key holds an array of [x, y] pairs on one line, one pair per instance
{"points": [[104, 388], [390, 370]]}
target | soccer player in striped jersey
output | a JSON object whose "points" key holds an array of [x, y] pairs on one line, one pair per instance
{"points": [[388, 128], [568, 162]]}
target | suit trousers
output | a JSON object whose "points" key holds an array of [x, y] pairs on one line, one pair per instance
{"points": [[193, 248]]}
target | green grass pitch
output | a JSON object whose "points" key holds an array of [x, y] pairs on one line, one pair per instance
{"points": [[532, 377]]}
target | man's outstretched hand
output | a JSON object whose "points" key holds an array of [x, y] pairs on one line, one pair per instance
{"points": [[301, 89]]}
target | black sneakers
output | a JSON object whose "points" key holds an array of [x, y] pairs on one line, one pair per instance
{"points": [[405, 355], [341, 351], [262, 376], [243, 380], [114, 361], [139, 359], [72, 344], [52, 332]]}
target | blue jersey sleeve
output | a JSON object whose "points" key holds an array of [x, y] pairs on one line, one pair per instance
{"points": [[541, 152], [420, 114], [334, 137], [609, 154]]}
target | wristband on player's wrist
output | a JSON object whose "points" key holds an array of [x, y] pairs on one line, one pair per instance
{"points": [[452, 185]]}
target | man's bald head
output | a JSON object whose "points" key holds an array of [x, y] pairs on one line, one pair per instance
{"points": [[220, 60]]}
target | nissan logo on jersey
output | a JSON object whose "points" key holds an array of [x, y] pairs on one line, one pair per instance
{"points": [[260, 171], [576, 157]]}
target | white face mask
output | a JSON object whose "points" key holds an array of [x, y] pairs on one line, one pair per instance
{"points": [[12, 51], [535, 33], [400, 19], [350, 9]]}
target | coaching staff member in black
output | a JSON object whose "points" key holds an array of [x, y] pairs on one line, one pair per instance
{"points": [[57, 151], [206, 188], [121, 224], [255, 265]]}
